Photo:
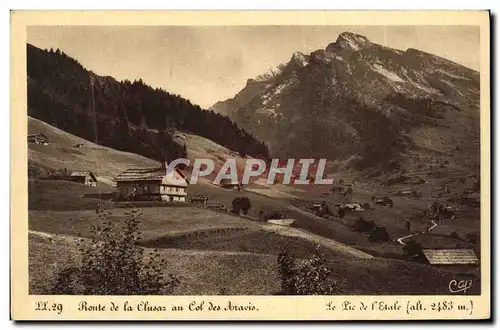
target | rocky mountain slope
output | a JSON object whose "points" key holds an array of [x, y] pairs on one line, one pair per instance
{"points": [[371, 106]]}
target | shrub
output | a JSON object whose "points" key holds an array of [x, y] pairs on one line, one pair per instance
{"points": [[366, 206], [308, 278], [454, 235], [363, 226], [272, 215], [241, 205], [341, 212], [379, 234], [112, 263], [412, 251], [287, 272]]}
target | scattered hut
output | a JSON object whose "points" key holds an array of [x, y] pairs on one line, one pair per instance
{"points": [[38, 138], [199, 200], [84, 177]]}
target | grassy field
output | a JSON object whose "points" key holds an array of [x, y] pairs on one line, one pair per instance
{"points": [[199, 272], [215, 252], [242, 273], [156, 221], [49, 196], [240, 240], [61, 153], [64, 195]]}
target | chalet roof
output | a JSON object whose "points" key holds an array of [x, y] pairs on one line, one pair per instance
{"points": [[142, 174], [146, 174], [82, 174], [451, 256]]}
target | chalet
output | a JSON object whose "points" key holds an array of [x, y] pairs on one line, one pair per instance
{"points": [[151, 184], [84, 177], [38, 138], [199, 200]]}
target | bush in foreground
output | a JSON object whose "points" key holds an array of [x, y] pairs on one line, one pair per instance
{"points": [[113, 264], [310, 277]]}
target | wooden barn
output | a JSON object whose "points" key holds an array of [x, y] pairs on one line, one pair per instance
{"points": [[151, 184], [84, 177], [199, 200]]}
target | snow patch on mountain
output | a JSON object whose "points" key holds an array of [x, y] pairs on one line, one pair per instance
{"points": [[337, 57], [276, 91], [449, 74], [386, 73], [419, 84]]}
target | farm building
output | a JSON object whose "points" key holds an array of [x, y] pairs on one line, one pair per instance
{"points": [[151, 184], [38, 138], [84, 177], [199, 200]]}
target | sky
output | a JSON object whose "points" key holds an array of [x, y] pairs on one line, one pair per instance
{"points": [[212, 63]]}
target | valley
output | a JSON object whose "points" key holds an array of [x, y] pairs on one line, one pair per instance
{"points": [[399, 129], [61, 211]]}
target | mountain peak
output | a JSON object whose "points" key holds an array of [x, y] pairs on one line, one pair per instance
{"points": [[352, 40], [299, 59]]}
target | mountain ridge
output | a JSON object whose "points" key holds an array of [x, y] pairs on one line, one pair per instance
{"points": [[357, 99]]}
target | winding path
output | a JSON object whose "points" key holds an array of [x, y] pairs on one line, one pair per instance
{"points": [[400, 240]]}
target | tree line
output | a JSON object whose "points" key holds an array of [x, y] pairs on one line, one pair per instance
{"points": [[129, 116]]}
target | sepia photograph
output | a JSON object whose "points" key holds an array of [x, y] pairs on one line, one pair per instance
{"points": [[255, 160]]}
